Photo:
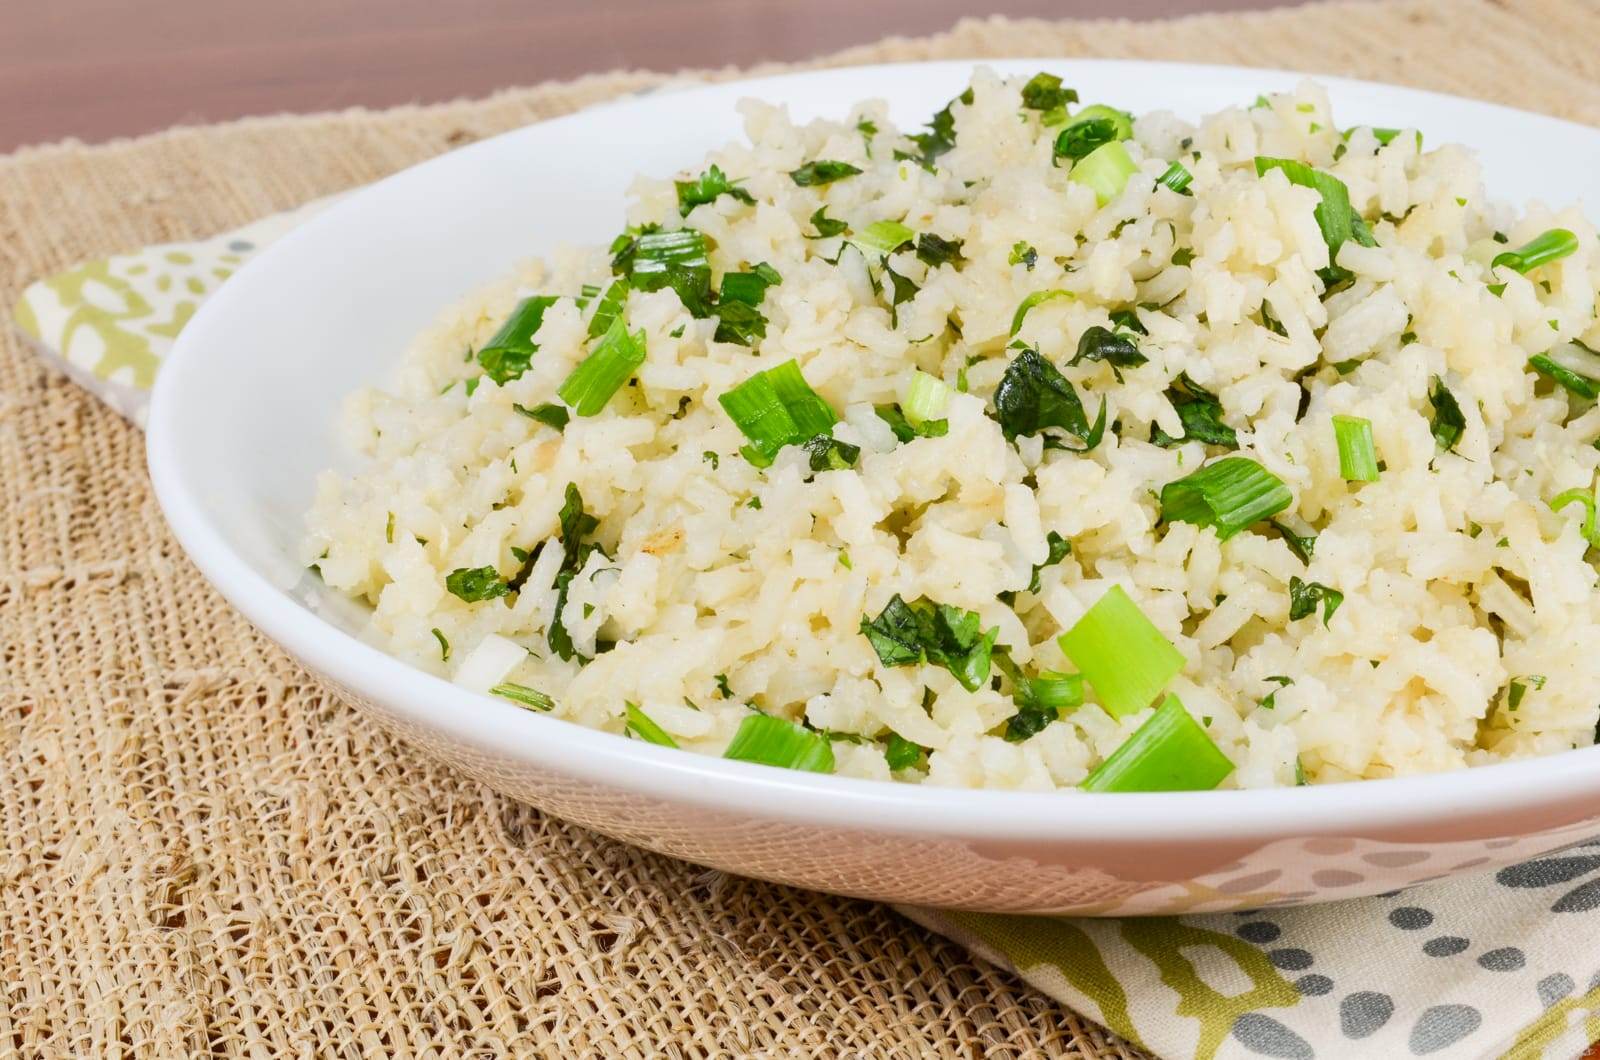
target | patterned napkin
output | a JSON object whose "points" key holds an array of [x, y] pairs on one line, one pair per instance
{"points": [[1500, 965]]}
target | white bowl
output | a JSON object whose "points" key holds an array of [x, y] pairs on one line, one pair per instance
{"points": [[242, 421]]}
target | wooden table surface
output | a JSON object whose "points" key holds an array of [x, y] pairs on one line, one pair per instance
{"points": [[95, 69]]}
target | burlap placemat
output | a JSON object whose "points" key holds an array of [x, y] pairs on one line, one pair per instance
{"points": [[201, 852]]}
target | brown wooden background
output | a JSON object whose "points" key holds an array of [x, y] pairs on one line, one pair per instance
{"points": [[96, 69]]}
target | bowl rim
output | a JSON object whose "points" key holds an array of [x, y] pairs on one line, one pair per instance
{"points": [[425, 701]]}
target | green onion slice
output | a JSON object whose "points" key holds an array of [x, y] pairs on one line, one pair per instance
{"points": [[1229, 495], [885, 237], [1335, 216], [1082, 136], [1169, 752], [1585, 498], [1177, 177], [778, 742], [1542, 249], [926, 397], [1036, 298], [639, 724], [1105, 171], [531, 698], [822, 171], [775, 408], [1121, 654], [507, 354], [609, 307], [1358, 456], [609, 365]]}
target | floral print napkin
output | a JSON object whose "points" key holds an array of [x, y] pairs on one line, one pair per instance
{"points": [[1503, 964]]}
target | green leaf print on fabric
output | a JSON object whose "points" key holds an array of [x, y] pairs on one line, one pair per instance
{"points": [[97, 300], [1555, 1024], [1029, 941], [1163, 940]]}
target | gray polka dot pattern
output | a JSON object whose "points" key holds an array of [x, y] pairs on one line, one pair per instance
{"points": [[1290, 960], [1445, 946], [1335, 878], [1553, 988], [1364, 1014], [1313, 985], [1410, 918], [1505, 959], [1265, 1036], [240, 245], [1442, 1026], [1261, 931]]}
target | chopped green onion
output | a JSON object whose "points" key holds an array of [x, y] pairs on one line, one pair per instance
{"points": [[1121, 119], [1448, 423], [1176, 177], [902, 428], [707, 188], [1121, 654], [1587, 499], [739, 318], [1581, 385], [1543, 248], [506, 356], [1231, 494], [823, 171], [885, 237], [640, 724], [1201, 414], [1304, 597], [1082, 136], [1518, 688], [923, 631], [1358, 457], [901, 753], [926, 397], [388, 529], [775, 408], [1044, 92], [475, 584], [773, 741], [1335, 216], [444, 645], [933, 251], [609, 307], [1169, 752], [1032, 300], [675, 259], [548, 413], [1105, 171], [528, 697], [609, 365]]}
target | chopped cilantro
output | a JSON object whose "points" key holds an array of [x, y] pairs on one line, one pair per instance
{"points": [[923, 631], [1045, 92], [1033, 395], [1201, 414], [1023, 254], [548, 413], [475, 584], [1304, 597], [708, 187], [822, 171]]}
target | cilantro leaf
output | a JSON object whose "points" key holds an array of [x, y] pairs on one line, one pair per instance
{"points": [[823, 171], [827, 226], [1304, 597], [936, 250], [1044, 92], [708, 187], [1201, 414], [475, 584], [1033, 395], [1448, 423], [902, 428], [1119, 351], [923, 631]]}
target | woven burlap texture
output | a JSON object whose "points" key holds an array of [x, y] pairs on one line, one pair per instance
{"points": [[201, 852]]}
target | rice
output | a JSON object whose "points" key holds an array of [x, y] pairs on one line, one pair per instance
{"points": [[1469, 613]]}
